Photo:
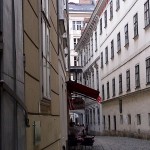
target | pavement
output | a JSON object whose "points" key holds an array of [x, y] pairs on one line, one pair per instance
{"points": [[119, 143]]}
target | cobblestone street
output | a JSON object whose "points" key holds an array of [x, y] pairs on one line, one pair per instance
{"points": [[120, 143]]}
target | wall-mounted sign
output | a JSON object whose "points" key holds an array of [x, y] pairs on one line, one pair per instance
{"points": [[37, 132]]}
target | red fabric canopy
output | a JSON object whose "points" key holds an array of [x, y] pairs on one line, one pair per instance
{"points": [[82, 89]]}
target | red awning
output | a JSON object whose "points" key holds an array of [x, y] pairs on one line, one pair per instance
{"points": [[82, 89]]}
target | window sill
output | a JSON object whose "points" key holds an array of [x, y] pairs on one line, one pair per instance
{"points": [[136, 37], [126, 45], [147, 26]]}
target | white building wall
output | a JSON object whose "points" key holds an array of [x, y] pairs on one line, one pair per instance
{"points": [[136, 100]]}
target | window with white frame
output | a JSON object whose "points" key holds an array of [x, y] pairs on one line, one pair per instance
{"points": [[94, 115], [105, 18], [101, 27], [111, 10], [129, 118], [98, 115], [146, 13], [118, 42], [120, 83], [113, 87], [75, 40], [101, 59], [97, 78], [135, 24], [45, 49], [93, 78], [126, 34], [106, 55], [91, 43], [96, 40], [77, 25], [75, 60], [117, 5], [112, 49], [137, 76], [148, 70], [138, 119], [108, 95], [103, 92], [128, 79]]}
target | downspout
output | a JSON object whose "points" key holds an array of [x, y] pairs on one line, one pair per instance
{"points": [[68, 42], [58, 26], [1, 25], [14, 72]]}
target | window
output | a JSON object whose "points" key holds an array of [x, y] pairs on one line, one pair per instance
{"points": [[94, 115], [75, 40], [95, 40], [93, 78], [120, 83], [112, 49], [106, 54], [98, 115], [117, 5], [103, 92], [91, 45], [109, 122], [128, 79], [45, 49], [148, 70], [77, 25], [101, 28], [120, 106], [138, 119], [118, 42], [137, 76], [135, 24], [149, 119], [108, 90], [74, 25], [126, 34], [101, 59], [104, 122], [113, 87], [129, 119], [75, 60], [121, 119], [105, 16], [90, 116], [146, 13], [111, 10], [97, 78]]}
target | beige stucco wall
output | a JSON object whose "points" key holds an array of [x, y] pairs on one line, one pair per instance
{"points": [[50, 122]]}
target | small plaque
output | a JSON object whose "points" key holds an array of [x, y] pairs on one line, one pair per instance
{"points": [[37, 132]]}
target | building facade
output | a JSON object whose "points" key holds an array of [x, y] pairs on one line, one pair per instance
{"points": [[123, 50], [33, 64]]}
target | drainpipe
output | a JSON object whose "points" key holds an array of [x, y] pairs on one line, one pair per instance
{"points": [[68, 42], [14, 72]]}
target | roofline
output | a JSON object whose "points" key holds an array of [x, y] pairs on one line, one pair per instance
{"points": [[95, 13]]}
